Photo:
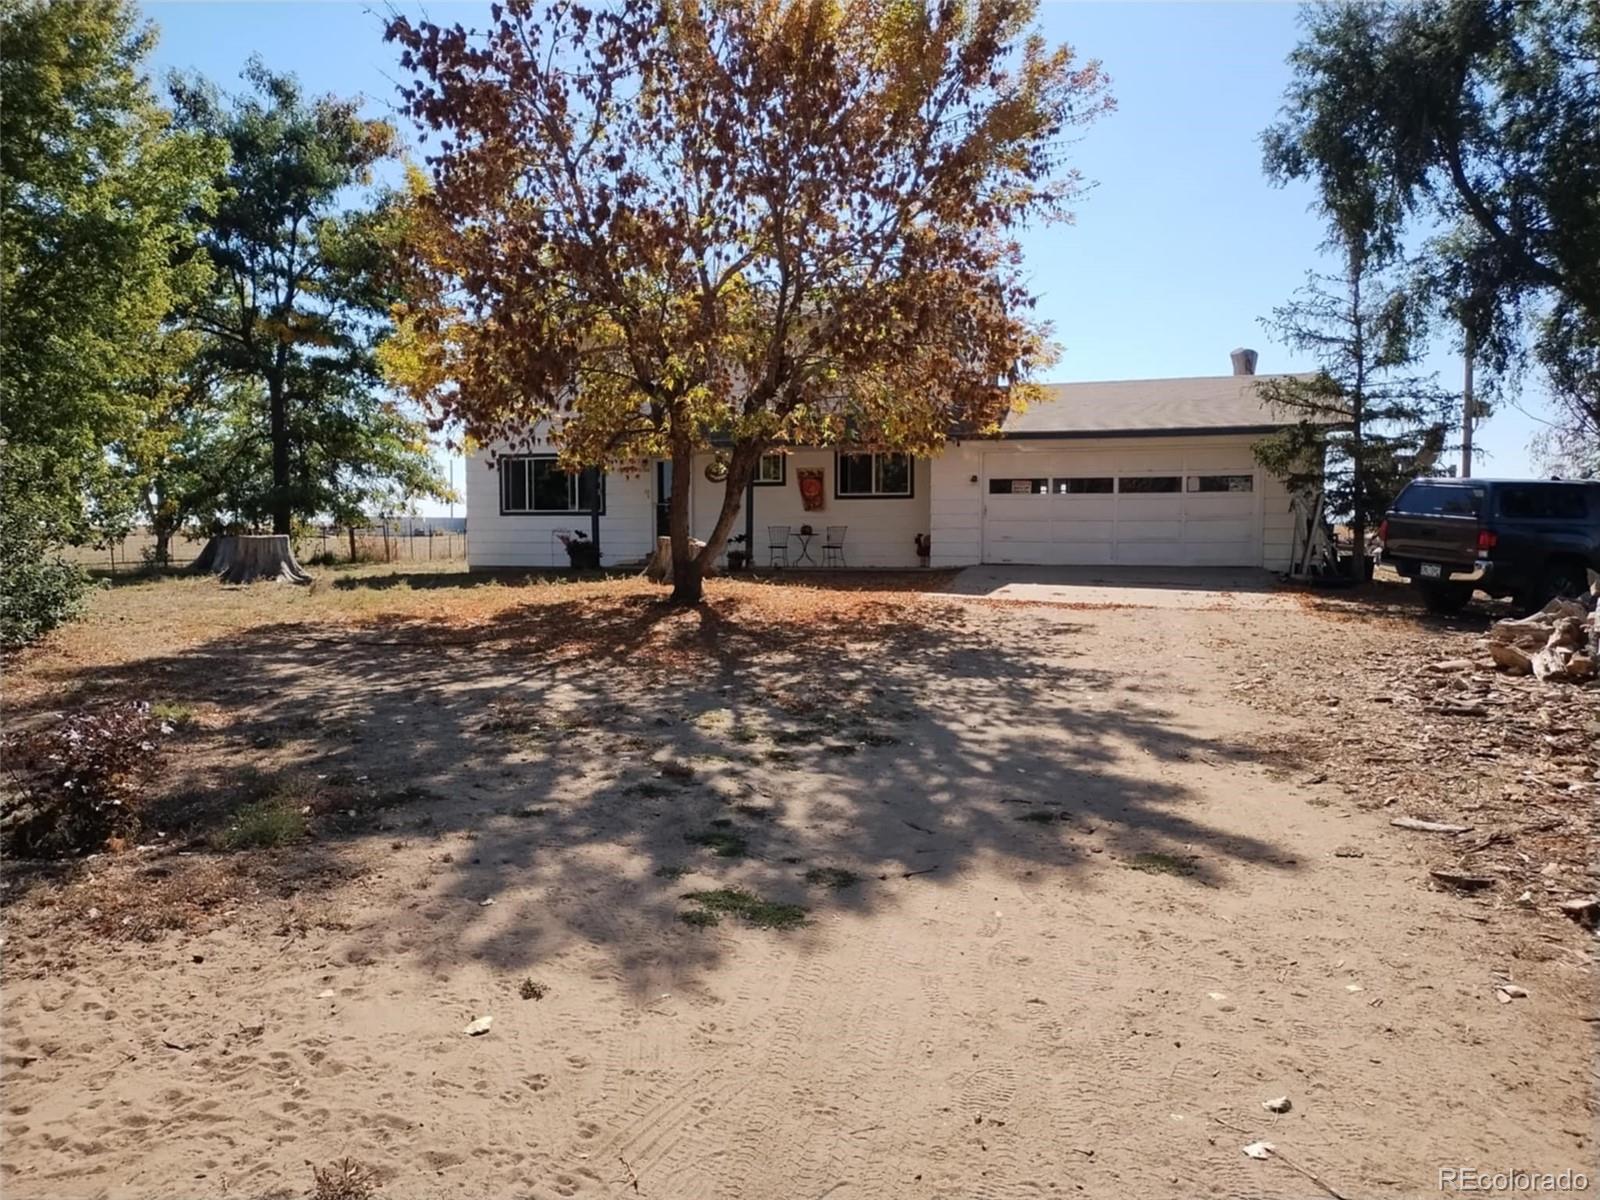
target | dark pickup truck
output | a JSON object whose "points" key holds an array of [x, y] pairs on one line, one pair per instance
{"points": [[1527, 539]]}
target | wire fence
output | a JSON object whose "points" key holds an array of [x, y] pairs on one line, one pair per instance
{"points": [[330, 547]]}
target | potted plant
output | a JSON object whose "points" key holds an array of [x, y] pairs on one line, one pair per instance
{"points": [[582, 554], [924, 547], [739, 557]]}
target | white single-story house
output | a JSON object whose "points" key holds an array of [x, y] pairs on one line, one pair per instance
{"points": [[1151, 472]]}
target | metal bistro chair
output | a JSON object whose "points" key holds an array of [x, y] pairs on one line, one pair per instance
{"points": [[777, 545], [833, 546]]}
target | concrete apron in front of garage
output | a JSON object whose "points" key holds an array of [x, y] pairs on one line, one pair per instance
{"points": [[1124, 587]]}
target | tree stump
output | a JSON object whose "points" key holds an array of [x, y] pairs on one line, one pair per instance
{"points": [[659, 568], [250, 558]]}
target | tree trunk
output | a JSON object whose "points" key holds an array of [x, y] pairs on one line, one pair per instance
{"points": [[1358, 416], [282, 510], [1358, 491], [351, 529], [248, 558], [161, 524], [689, 565], [741, 469], [688, 573]]}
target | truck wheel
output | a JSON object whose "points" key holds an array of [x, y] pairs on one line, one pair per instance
{"points": [[1445, 597], [1564, 579]]}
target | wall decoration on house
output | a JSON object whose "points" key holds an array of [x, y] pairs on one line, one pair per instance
{"points": [[717, 470], [811, 489]]}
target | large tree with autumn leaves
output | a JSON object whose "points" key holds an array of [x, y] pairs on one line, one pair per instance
{"points": [[651, 226]]}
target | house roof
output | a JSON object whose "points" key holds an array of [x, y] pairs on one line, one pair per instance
{"points": [[1147, 407]]}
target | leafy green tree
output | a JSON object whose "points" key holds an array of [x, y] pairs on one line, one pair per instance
{"points": [[1365, 423], [99, 196], [300, 254], [197, 439], [651, 225], [1480, 121]]}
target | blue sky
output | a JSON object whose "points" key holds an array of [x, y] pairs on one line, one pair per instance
{"points": [[1178, 250]]}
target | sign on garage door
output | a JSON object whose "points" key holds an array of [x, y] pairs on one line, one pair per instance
{"points": [[1055, 509]]}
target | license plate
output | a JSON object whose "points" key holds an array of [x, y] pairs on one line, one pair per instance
{"points": [[1432, 570]]}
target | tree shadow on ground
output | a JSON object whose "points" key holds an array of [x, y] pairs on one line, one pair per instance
{"points": [[585, 761], [469, 578], [855, 580], [1395, 600]]}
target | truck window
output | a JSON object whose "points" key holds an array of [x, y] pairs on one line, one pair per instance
{"points": [[1543, 501], [1439, 500]]}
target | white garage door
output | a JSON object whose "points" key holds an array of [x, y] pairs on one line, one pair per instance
{"points": [[1140, 509]]}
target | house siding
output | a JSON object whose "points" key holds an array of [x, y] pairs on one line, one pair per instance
{"points": [[879, 532], [496, 539], [956, 506]]}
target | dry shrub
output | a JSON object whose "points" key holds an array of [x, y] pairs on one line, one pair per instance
{"points": [[344, 1180], [80, 783]]}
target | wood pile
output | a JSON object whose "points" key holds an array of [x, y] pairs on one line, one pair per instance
{"points": [[1560, 642]]}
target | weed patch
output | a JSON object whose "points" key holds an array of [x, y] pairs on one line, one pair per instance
{"points": [[1160, 864], [724, 843], [274, 820], [836, 878], [174, 713], [747, 907]]}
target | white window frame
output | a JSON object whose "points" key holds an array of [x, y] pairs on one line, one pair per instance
{"points": [[783, 469]]}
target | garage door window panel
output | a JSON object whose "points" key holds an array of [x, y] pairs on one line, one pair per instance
{"points": [[1095, 485], [1018, 487], [1222, 483], [1148, 485]]}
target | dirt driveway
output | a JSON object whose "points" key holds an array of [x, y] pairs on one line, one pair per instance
{"points": [[1072, 908]]}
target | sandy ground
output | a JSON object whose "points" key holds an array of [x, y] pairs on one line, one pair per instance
{"points": [[1096, 922]]}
